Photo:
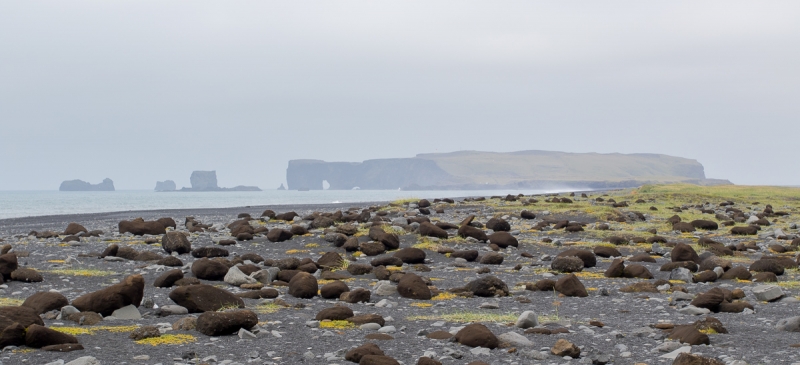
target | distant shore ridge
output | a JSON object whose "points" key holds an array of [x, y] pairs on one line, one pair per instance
{"points": [[477, 170]]}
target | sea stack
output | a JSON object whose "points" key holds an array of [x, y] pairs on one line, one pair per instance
{"points": [[80, 185]]}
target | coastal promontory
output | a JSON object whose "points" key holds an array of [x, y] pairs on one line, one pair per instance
{"points": [[477, 170], [80, 185]]}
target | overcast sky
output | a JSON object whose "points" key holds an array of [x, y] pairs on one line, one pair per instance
{"points": [[140, 91]]}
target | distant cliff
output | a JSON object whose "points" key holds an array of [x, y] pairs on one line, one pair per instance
{"points": [[474, 170], [167, 185], [80, 185], [207, 181]]}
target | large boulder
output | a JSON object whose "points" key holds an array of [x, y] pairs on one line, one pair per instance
{"points": [[503, 239], [690, 335], [390, 240], [209, 269], [567, 264], [704, 224], [359, 352], [43, 302], [139, 227], [209, 252], [571, 286], [431, 230], [225, 323], [204, 298], [105, 301], [303, 285], [337, 313], [488, 286], [477, 335], [589, 259], [75, 228], [412, 286], [410, 255], [279, 235], [684, 252], [26, 275], [25, 316], [8, 263], [37, 336], [12, 335], [498, 225], [176, 242], [168, 278], [333, 290]]}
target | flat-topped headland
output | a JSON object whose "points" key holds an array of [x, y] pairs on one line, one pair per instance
{"points": [[476, 170]]}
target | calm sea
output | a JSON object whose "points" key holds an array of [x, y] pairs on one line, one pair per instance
{"points": [[14, 204]]}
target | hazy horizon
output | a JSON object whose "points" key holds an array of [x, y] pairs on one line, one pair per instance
{"points": [[140, 92]]}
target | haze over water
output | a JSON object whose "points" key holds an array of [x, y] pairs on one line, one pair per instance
{"points": [[15, 204]]}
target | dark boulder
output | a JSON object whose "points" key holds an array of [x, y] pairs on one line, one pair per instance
{"points": [[139, 227], [412, 286], [210, 251], [684, 252], [588, 258], [498, 224], [279, 235], [303, 285], [431, 230], [333, 290], [176, 242], [410, 255], [503, 239], [43, 302], [477, 335], [37, 336], [168, 278], [209, 269], [487, 286], [571, 286], [204, 298], [225, 323], [105, 301]]}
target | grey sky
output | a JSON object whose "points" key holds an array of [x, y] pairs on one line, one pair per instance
{"points": [[140, 91]]}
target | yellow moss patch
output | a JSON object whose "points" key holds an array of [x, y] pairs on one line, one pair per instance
{"points": [[444, 296], [90, 330], [708, 331], [677, 282], [294, 251], [312, 245], [22, 351], [590, 275], [789, 284], [267, 308], [56, 261], [421, 304], [12, 302], [338, 325], [394, 268], [326, 281], [464, 317], [176, 339], [80, 272]]}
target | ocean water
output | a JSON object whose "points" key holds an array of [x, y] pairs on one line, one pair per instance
{"points": [[15, 204]]}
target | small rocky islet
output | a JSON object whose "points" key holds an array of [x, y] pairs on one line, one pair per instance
{"points": [[672, 274]]}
